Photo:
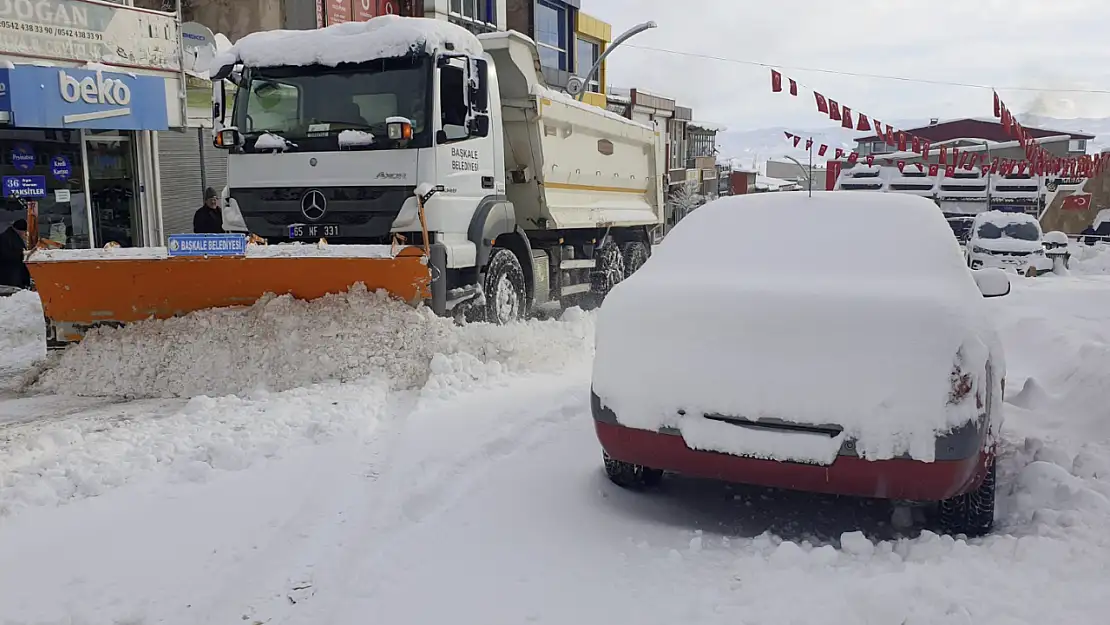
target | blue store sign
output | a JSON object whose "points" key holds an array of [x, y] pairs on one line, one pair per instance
{"points": [[32, 187], [62, 97], [23, 157], [61, 168]]}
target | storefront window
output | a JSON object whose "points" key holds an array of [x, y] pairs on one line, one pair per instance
{"points": [[56, 156], [112, 175]]}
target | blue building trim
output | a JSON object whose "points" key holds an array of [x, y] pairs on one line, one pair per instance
{"points": [[64, 97]]}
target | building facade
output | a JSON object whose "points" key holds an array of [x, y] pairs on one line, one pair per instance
{"points": [[970, 128], [86, 87]]}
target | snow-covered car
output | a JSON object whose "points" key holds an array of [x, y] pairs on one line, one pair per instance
{"points": [[1057, 246], [833, 344], [1007, 241]]}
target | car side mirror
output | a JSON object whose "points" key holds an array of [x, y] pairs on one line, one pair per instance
{"points": [[479, 126], [992, 282]]}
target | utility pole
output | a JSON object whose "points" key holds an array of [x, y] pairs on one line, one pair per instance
{"points": [[577, 85]]}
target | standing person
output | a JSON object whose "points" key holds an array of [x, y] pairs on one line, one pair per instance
{"points": [[13, 242], [209, 218]]}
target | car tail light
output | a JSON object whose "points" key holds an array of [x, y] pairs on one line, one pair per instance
{"points": [[961, 387]]}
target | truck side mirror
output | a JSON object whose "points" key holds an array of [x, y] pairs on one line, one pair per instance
{"points": [[228, 138], [479, 126], [479, 94]]}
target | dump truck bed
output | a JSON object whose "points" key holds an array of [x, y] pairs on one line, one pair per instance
{"points": [[570, 164]]}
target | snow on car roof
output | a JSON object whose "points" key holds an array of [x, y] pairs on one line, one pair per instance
{"points": [[350, 42], [833, 231], [1005, 218]]}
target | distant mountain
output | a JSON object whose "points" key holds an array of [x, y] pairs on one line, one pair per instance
{"points": [[748, 146]]}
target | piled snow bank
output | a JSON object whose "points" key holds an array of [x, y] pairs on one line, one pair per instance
{"points": [[856, 324], [22, 330], [282, 343], [1090, 259]]}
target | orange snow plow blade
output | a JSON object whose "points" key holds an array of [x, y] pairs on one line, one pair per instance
{"points": [[82, 293]]}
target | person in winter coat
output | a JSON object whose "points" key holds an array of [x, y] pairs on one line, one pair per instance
{"points": [[209, 218], [13, 272]]}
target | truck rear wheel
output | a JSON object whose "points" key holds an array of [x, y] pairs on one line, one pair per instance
{"points": [[609, 270], [635, 254], [503, 288]]}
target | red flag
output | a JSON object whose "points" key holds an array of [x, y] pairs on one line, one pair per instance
{"points": [[916, 145], [834, 111], [847, 121], [890, 135], [853, 157], [788, 135], [1007, 122], [793, 87], [776, 81], [821, 150], [870, 160], [797, 140], [997, 106], [920, 167], [943, 155], [994, 165], [1077, 202], [809, 144], [949, 171], [1021, 167], [902, 166], [901, 141], [956, 156], [863, 125], [878, 126], [839, 152], [822, 105], [925, 146], [934, 169]]}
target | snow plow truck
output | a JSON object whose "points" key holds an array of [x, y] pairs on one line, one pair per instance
{"points": [[406, 154]]}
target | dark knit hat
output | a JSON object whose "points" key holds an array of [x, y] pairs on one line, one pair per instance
{"points": [[20, 224], [210, 193]]}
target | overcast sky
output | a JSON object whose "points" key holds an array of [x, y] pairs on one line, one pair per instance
{"points": [[1030, 43]]}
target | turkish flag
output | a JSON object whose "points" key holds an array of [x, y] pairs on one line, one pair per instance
{"points": [[776, 81], [846, 122], [925, 146], [839, 152], [916, 145], [890, 135], [822, 104], [870, 160], [901, 141], [878, 126], [793, 87], [809, 144], [797, 140], [902, 166], [949, 171], [821, 150], [834, 111], [934, 169], [853, 157], [997, 106], [863, 125], [943, 155], [920, 167], [788, 135], [1077, 202]]}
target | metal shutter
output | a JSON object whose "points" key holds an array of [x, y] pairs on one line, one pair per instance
{"points": [[182, 188]]}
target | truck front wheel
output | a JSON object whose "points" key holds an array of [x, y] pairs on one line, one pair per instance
{"points": [[503, 288]]}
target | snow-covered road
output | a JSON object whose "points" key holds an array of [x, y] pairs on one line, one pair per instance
{"points": [[474, 494]]}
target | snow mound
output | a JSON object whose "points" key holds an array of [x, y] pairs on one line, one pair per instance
{"points": [[350, 42], [1091, 260], [22, 331], [282, 343]]}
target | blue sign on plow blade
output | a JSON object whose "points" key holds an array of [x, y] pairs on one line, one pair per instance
{"points": [[207, 245]]}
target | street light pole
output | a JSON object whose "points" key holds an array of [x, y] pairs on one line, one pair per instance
{"points": [[807, 174], [576, 85]]}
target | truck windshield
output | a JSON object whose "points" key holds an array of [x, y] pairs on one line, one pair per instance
{"points": [[312, 105]]}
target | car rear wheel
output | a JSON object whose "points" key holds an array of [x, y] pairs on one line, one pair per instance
{"points": [[631, 476], [971, 514]]}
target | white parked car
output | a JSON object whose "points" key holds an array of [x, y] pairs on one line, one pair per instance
{"points": [[834, 344], [1005, 240]]}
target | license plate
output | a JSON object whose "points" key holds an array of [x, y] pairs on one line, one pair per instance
{"points": [[313, 231]]}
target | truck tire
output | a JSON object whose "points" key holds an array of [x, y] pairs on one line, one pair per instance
{"points": [[635, 254], [503, 287], [970, 514], [608, 271]]}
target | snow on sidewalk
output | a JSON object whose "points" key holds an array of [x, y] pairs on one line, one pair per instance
{"points": [[22, 331]]}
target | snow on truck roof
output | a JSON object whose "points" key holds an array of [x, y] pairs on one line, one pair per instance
{"points": [[350, 42]]}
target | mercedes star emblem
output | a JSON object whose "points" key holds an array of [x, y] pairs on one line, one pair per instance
{"points": [[313, 205]]}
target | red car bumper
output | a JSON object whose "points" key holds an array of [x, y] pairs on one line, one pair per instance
{"points": [[902, 479]]}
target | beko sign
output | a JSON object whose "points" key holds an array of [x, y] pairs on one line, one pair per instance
{"points": [[94, 90]]}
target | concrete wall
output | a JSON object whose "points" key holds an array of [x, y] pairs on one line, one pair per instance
{"points": [[236, 18]]}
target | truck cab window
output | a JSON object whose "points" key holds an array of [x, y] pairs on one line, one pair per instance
{"points": [[453, 102]]}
